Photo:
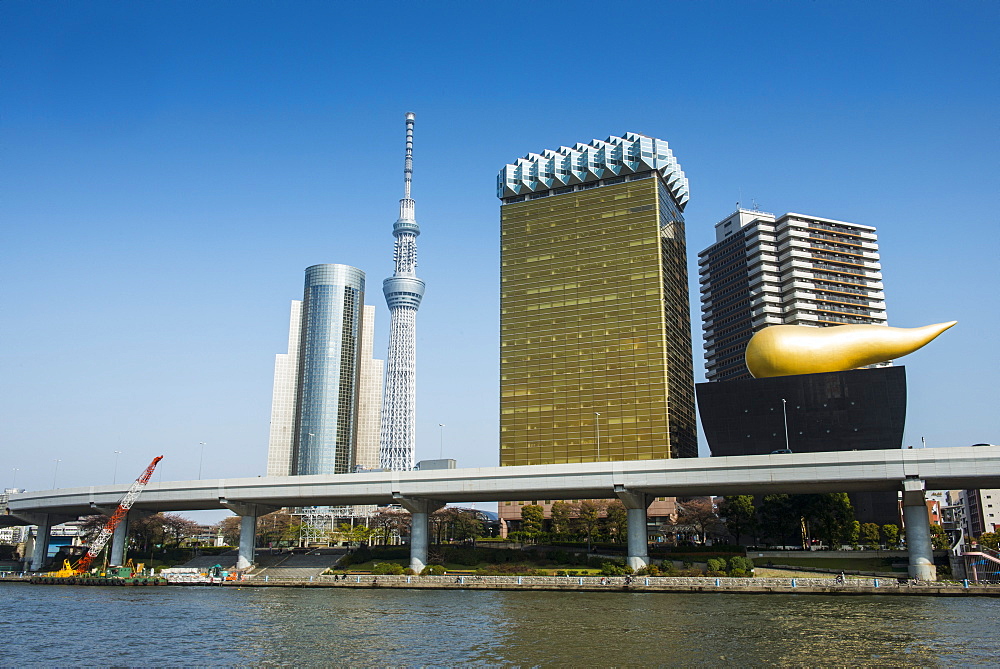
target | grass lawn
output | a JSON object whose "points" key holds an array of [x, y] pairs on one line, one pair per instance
{"points": [[764, 572]]}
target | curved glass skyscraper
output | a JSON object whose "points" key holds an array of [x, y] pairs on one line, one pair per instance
{"points": [[329, 361]]}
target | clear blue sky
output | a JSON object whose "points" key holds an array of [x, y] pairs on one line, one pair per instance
{"points": [[170, 168]]}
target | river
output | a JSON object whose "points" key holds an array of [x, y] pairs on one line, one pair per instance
{"points": [[65, 625]]}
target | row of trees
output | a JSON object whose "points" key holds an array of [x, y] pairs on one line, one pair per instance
{"points": [[159, 530], [780, 519], [828, 517], [592, 520], [383, 527]]}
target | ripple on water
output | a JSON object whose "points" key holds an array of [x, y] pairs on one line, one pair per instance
{"points": [[314, 627]]}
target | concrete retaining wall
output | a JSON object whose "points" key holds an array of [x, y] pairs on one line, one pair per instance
{"points": [[852, 586]]}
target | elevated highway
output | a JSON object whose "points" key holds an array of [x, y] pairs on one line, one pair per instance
{"points": [[635, 482]]}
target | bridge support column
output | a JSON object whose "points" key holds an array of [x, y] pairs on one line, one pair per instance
{"points": [[419, 509], [248, 534], [918, 531], [248, 514], [638, 543], [118, 539], [39, 552]]}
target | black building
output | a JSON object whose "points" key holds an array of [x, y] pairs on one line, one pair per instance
{"points": [[856, 410]]}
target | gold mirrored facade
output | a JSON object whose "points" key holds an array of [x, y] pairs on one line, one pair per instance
{"points": [[595, 320]]}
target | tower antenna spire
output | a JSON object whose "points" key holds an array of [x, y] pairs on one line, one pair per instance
{"points": [[408, 162]]}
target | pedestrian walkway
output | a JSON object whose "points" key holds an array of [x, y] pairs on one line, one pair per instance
{"points": [[297, 567]]}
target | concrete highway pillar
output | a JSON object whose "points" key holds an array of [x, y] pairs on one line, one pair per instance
{"points": [[117, 558], [419, 509], [918, 531], [638, 543], [41, 548], [248, 534], [248, 529]]}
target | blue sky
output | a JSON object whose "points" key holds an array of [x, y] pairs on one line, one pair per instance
{"points": [[169, 169]]}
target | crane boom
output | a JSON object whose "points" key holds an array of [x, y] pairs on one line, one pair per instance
{"points": [[124, 505]]}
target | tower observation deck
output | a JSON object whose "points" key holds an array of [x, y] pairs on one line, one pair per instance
{"points": [[403, 293]]}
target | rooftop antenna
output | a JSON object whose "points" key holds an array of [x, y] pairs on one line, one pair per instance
{"points": [[408, 163]]}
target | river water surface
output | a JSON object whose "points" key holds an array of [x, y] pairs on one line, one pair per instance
{"points": [[185, 626]]}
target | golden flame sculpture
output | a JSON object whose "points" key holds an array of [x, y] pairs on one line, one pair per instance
{"points": [[783, 350]]}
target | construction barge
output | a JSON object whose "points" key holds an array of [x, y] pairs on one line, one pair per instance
{"points": [[126, 575], [81, 572]]}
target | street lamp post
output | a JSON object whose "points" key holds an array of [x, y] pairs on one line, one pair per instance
{"points": [[201, 459], [114, 475], [784, 413], [441, 454], [597, 427], [55, 473]]}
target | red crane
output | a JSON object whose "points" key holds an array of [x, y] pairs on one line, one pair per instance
{"points": [[109, 528]]}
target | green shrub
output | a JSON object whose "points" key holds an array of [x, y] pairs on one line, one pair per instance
{"points": [[433, 570], [668, 569], [716, 564], [615, 569], [559, 557], [388, 568], [740, 566]]}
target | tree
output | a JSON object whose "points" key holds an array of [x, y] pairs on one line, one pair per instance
{"points": [[617, 520], [778, 520], [939, 539], [870, 535], [561, 518], [891, 534], [230, 528], [357, 534], [854, 534], [388, 522], [177, 528], [739, 514], [465, 524], [532, 516], [438, 525], [829, 516], [274, 528], [990, 540], [588, 516], [91, 526], [699, 514]]}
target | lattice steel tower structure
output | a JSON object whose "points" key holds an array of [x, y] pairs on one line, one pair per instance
{"points": [[403, 292]]}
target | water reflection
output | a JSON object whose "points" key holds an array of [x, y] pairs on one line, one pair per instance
{"points": [[311, 627]]}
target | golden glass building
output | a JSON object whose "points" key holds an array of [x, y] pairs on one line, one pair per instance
{"points": [[595, 332]]}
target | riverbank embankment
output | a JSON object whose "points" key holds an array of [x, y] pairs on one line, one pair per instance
{"points": [[801, 586]]}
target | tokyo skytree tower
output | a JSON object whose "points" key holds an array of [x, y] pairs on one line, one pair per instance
{"points": [[403, 292]]}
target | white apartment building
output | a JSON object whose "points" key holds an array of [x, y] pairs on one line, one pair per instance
{"points": [[793, 270]]}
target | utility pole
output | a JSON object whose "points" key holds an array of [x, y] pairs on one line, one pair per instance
{"points": [[597, 427]]}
